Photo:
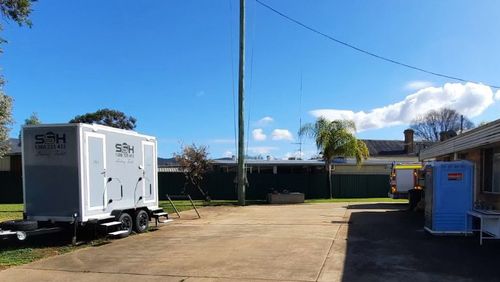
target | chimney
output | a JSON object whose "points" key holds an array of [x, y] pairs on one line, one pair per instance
{"points": [[409, 143]]}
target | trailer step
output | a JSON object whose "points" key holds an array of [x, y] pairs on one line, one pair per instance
{"points": [[95, 220], [111, 223], [158, 214], [119, 232]]}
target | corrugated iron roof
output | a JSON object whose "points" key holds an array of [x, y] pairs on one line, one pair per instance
{"points": [[170, 169], [485, 135]]}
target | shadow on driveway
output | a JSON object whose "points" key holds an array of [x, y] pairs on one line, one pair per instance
{"points": [[378, 206], [392, 246]]}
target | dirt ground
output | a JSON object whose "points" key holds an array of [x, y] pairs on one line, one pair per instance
{"points": [[307, 242]]}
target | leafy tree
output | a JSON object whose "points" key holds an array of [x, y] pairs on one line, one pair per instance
{"points": [[428, 126], [5, 120], [32, 120], [195, 164], [107, 117], [17, 11], [335, 139]]}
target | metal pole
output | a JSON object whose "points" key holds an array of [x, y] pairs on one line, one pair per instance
{"points": [[173, 205], [241, 122], [192, 203]]}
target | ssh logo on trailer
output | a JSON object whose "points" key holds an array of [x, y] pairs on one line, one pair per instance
{"points": [[50, 144], [455, 176], [50, 140], [124, 150]]}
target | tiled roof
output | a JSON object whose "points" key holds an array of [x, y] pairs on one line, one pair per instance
{"points": [[393, 147], [385, 147]]}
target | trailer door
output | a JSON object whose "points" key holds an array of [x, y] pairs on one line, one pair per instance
{"points": [[96, 170], [149, 173]]}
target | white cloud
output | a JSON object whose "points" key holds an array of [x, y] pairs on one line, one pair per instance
{"points": [[264, 121], [497, 95], [258, 134], [228, 154], [261, 149], [417, 85], [282, 134], [470, 99]]}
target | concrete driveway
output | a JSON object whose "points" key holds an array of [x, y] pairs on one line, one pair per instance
{"points": [[308, 242], [278, 243]]}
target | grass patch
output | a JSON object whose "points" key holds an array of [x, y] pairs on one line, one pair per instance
{"points": [[11, 211], [13, 256]]}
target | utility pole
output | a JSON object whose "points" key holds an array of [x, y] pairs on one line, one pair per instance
{"points": [[241, 121]]}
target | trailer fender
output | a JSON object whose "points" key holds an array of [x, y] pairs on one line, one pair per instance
{"points": [[117, 213], [19, 225]]}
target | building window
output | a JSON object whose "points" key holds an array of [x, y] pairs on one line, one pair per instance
{"points": [[490, 171]]}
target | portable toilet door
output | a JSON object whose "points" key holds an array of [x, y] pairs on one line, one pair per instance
{"points": [[451, 197], [149, 171], [95, 163]]}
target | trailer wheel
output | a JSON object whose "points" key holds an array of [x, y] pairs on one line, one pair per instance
{"points": [[20, 225], [127, 224], [141, 222]]}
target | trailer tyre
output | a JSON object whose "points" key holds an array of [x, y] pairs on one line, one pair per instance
{"points": [[141, 222], [20, 225], [127, 224]]}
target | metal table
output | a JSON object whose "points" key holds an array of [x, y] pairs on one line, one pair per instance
{"points": [[489, 224]]}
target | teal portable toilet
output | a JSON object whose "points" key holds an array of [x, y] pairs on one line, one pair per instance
{"points": [[449, 188]]}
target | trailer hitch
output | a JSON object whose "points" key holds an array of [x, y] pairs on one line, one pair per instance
{"points": [[75, 227]]}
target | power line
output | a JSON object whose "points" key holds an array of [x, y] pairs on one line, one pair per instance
{"points": [[368, 52]]}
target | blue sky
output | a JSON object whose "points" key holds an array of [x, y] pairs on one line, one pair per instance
{"points": [[173, 64]]}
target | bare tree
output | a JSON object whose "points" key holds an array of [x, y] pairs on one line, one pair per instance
{"points": [[195, 164], [428, 126]]}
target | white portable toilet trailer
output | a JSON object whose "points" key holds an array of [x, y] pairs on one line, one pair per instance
{"points": [[82, 173]]}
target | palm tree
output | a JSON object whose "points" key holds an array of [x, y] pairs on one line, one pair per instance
{"points": [[335, 139]]}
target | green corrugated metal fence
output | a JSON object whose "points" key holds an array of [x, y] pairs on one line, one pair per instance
{"points": [[11, 188], [360, 186], [221, 185]]}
